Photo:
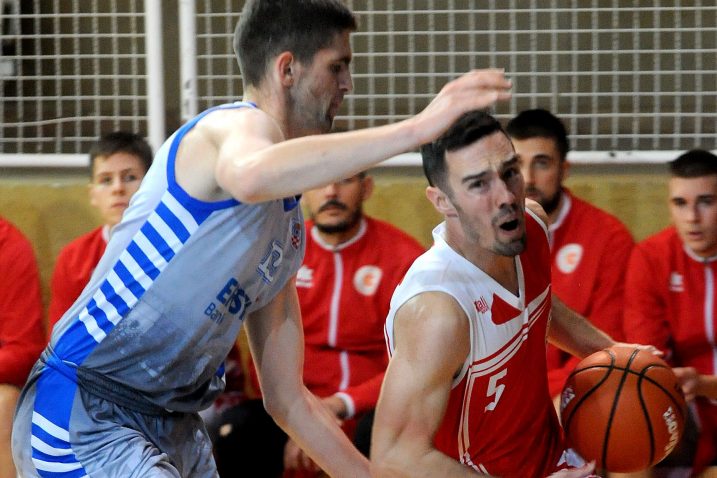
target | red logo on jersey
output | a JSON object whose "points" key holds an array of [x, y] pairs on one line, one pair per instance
{"points": [[481, 305], [501, 311]]}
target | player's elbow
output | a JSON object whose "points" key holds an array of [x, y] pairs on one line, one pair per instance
{"points": [[384, 466], [277, 409]]}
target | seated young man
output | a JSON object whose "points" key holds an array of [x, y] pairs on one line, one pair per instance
{"points": [[118, 162]]}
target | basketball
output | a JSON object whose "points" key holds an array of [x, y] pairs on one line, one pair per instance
{"points": [[623, 408]]}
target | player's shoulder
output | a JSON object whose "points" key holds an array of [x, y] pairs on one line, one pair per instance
{"points": [[80, 243], [660, 242], [12, 239], [591, 213], [393, 234]]}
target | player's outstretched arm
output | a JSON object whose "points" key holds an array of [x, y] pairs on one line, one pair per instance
{"points": [[574, 333], [276, 341], [253, 168], [431, 337]]}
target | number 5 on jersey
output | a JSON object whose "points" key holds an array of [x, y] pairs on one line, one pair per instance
{"points": [[494, 389]]}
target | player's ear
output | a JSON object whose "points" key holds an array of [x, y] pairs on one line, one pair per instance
{"points": [[283, 68], [441, 201]]}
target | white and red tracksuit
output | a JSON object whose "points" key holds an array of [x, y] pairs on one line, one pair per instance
{"points": [[670, 303], [344, 292]]}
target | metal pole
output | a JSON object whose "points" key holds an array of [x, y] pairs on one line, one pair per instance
{"points": [[155, 73], [188, 58]]}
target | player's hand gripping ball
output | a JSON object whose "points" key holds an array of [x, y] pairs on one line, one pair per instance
{"points": [[623, 408]]}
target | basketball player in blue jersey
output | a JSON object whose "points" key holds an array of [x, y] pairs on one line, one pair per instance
{"points": [[213, 239]]}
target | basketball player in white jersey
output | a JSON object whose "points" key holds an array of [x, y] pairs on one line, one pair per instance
{"points": [[465, 392]]}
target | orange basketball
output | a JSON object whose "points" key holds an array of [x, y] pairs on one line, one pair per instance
{"points": [[623, 408]]}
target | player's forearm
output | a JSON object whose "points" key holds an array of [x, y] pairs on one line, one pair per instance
{"points": [[707, 386], [574, 333], [291, 167], [309, 424]]}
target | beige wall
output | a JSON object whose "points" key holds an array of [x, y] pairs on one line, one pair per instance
{"points": [[51, 207]]}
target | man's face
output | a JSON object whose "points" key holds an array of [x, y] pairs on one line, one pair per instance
{"points": [[543, 170], [487, 194], [115, 179], [319, 88], [693, 209], [337, 208]]}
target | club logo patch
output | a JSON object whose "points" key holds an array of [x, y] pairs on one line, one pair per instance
{"points": [[568, 258], [295, 233], [367, 279]]}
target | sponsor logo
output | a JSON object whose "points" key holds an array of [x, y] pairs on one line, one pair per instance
{"points": [[270, 262], [568, 258], [305, 277], [566, 397], [481, 305], [677, 282], [671, 424], [367, 279], [231, 300]]}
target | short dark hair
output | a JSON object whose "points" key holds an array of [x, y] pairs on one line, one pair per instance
{"points": [[694, 164], [468, 129], [122, 142], [268, 27], [540, 123]]}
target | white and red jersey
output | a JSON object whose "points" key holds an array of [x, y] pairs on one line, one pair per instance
{"points": [[671, 303], [589, 252], [344, 293], [500, 419]]}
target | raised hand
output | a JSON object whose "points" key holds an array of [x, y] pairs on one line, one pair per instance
{"points": [[477, 89]]}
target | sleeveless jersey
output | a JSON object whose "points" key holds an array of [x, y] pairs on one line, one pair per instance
{"points": [[500, 419], [166, 301]]}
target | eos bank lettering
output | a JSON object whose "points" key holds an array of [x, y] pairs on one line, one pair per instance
{"points": [[232, 299]]}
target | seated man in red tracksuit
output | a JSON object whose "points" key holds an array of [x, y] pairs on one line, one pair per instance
{"points": [[670, 293]]}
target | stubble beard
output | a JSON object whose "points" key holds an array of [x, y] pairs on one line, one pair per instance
{"points": [[511, 249], [550, 204], [339, 227]]}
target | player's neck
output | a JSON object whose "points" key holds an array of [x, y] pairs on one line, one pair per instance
{"points": [[500, 268], [271, 104]]}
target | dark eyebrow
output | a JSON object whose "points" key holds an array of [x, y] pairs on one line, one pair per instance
{"points": [[474, 177], [513, 161]]}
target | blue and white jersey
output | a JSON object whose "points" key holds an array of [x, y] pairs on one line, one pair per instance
{"points": [[168, 297]]}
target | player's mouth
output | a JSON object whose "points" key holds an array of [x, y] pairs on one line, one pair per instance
{"points": [[510, 226], [694, 235], [335, 106]]}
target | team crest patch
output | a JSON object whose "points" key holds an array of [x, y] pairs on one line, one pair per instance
{"points": [[568, 258], [295, 233], [366, 279]]}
